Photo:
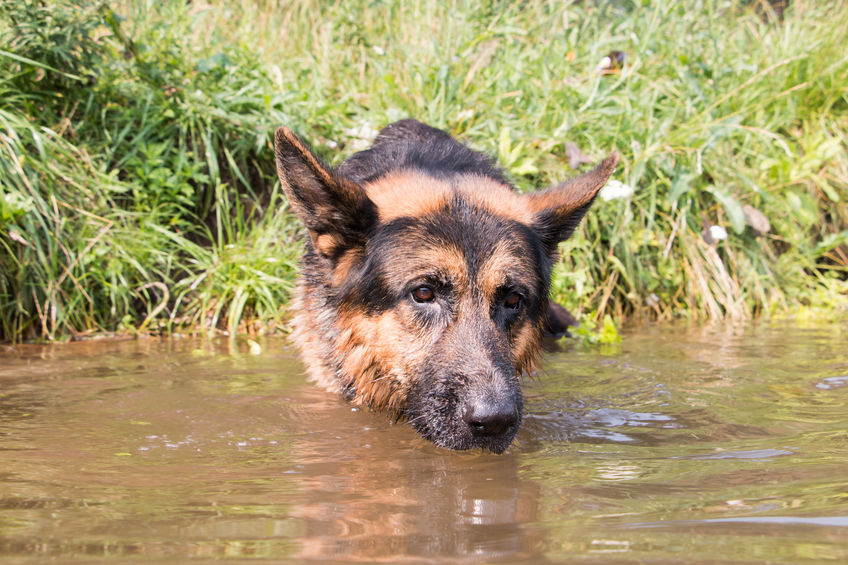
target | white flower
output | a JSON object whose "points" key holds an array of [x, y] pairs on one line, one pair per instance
{"points": [[360, 144], [379, 50], [616, 189], [718, 233], [15, 236], [18, 202], [362, 131], [394, 114], [364, 134], [466, 114]]}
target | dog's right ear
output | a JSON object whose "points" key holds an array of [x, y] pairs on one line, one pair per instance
{"points": [[336, 211]]}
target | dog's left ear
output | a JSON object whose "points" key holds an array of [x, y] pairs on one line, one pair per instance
{"points": [[336, 211], [558, 210]]}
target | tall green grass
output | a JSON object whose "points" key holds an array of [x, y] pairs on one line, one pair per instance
{"points": [[137, 180], [134, 178]]}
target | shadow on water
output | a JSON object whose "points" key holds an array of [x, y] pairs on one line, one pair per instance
{"points": [[698, 445]]}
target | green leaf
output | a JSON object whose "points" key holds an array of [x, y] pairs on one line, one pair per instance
{"points": [[679, 187], [608, 333], [526, 167], [504, 143], [829, 191], [831, 241], [29, 61]]}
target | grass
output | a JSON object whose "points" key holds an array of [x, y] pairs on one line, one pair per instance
{"points": [[137, 188]]}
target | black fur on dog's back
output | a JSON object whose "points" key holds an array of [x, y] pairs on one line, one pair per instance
{"points": [[409, 144]]}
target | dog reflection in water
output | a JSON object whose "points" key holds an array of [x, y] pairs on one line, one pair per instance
{"points": [[380, 494]]}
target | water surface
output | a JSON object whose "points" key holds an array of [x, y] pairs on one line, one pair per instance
{"points": [[702, 445]]}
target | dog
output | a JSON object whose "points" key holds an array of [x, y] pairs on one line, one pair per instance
{"points": [[424, 282]]}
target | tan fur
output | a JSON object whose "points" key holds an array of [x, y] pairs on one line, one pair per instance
{"points": [[379, 352], [502, 265], [407, 194], [409, 263], [345, 263], [326, 244], [413, 193], [307, 337], [525, 348]]}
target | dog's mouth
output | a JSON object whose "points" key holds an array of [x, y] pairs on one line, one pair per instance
{"points": [[479, 421]]}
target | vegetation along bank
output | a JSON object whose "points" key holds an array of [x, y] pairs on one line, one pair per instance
{"points": [[137, 185]]}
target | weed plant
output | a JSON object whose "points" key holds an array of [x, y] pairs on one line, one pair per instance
{"points": [[137, 185]]}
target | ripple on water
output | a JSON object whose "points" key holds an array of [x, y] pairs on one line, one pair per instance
{"points": [[829, 383]]}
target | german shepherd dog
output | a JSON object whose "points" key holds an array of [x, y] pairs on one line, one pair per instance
{"points": [[424, 283]]}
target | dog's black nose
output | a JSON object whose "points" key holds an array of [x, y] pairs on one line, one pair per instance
{"points": [[487, 419]]}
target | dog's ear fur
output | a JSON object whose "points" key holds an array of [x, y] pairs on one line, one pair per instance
{"points": [[558, 210], [336, 211]]}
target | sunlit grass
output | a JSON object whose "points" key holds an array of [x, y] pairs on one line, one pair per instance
{"points": [[717, 106], [137, 181]]}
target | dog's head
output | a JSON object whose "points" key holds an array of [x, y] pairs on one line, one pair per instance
{"points": [[436, 287]]}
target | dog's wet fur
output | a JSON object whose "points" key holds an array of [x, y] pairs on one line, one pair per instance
{"points": [[424, 284]]}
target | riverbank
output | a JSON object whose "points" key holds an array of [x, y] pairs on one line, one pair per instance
{"points": [[137, 184]]}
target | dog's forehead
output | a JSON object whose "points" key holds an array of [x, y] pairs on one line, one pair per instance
{"points": [[409, 254], [413, 193], [459, 239]]}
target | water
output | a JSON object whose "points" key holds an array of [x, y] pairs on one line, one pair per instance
{"points": [[716, 445]]}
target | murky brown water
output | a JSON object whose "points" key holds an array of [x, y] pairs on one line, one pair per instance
{"points": [[683, 445]]}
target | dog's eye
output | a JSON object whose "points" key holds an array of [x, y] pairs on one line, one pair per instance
{"points": [[423, 294], [512, 301]]}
